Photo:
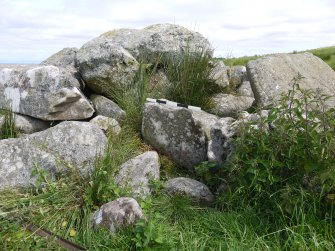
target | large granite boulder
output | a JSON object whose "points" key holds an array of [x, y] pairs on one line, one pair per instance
{"points": [[156, 40], [69, 144], [116, 214], [175, 132], [106, 66], [137, 173], [106, 107], [272, 75], [228, 105], [44, 92], [193, 189]]}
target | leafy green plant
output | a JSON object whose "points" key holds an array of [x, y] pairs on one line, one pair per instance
{"points": [[299, 146], [190, 77]]}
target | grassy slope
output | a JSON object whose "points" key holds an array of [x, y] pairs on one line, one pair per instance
{"points": [[327, 54]]}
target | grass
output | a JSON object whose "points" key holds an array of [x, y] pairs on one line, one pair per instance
{"points": [[7, 129], [327, 54]]}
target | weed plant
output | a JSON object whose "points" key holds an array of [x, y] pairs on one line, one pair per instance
{"points": [[7, 129]]}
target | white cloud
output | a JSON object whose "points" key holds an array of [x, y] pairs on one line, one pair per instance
{"points": [[31, 30]]}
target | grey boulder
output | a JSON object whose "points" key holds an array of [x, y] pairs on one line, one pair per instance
{"points": [[156, 40], [245, 89], [64, 58], [67, 145], [106, 107], [193, 189], [116, 214], [205, 120], [106, 66], [137, 173], [219, 73], [44, 92], [174, 132], [25, 124], [106, 123], [228, 105], [272, 76], [237, 74]]}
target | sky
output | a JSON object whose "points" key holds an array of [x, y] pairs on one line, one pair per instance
{"points": [[32, 30]]}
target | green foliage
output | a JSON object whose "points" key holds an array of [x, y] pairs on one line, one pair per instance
{"points": [[209, 173], [190, 77], [7, 129], [298, 150], [327, 54]]}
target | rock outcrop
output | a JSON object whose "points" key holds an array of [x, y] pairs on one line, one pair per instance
{"points": [[44, 92], [68, 145], [272, 76]]}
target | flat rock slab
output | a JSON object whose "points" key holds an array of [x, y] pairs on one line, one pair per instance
{"points": [[175, 132], [74, 144], [44, 92], [272, 76]]}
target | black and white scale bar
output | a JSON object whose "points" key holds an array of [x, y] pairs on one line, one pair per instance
{"points": [[175, 104]]}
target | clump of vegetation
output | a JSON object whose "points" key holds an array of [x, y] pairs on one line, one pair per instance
{"points": [[7, 128], [190, 77], [288, 168]]}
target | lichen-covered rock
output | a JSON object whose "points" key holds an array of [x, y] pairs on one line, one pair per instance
{"points": [[105, 66], [219, 73], [68, 144], [228, 105], [194, 189], [272, 76], [237, 74], [219, 147], [64, 58], [106, 123], [27, 125], [205, 120], [44, 92], [156, 40], [174, 131], [137, 173], [245, 89], [119, 213], [106, 107]]}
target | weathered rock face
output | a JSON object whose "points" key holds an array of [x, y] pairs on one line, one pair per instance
{"points": [[245, 89], [64, 58], [237, 74], [106, 124], [220, 74], [27, 125], [75, 144], [219, 147], [117, 214], [228, 105], [174, 131], [105, 65], [156, 40], [137, 173], [44, 92], [271, 76], [106, 107], [194, 189], [205, 120]]}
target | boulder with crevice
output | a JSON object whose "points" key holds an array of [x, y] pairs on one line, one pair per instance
{"points": [[44, 92]]}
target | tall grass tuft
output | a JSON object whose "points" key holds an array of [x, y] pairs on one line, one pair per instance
{"points": [[190, 77], [7, 129]]}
